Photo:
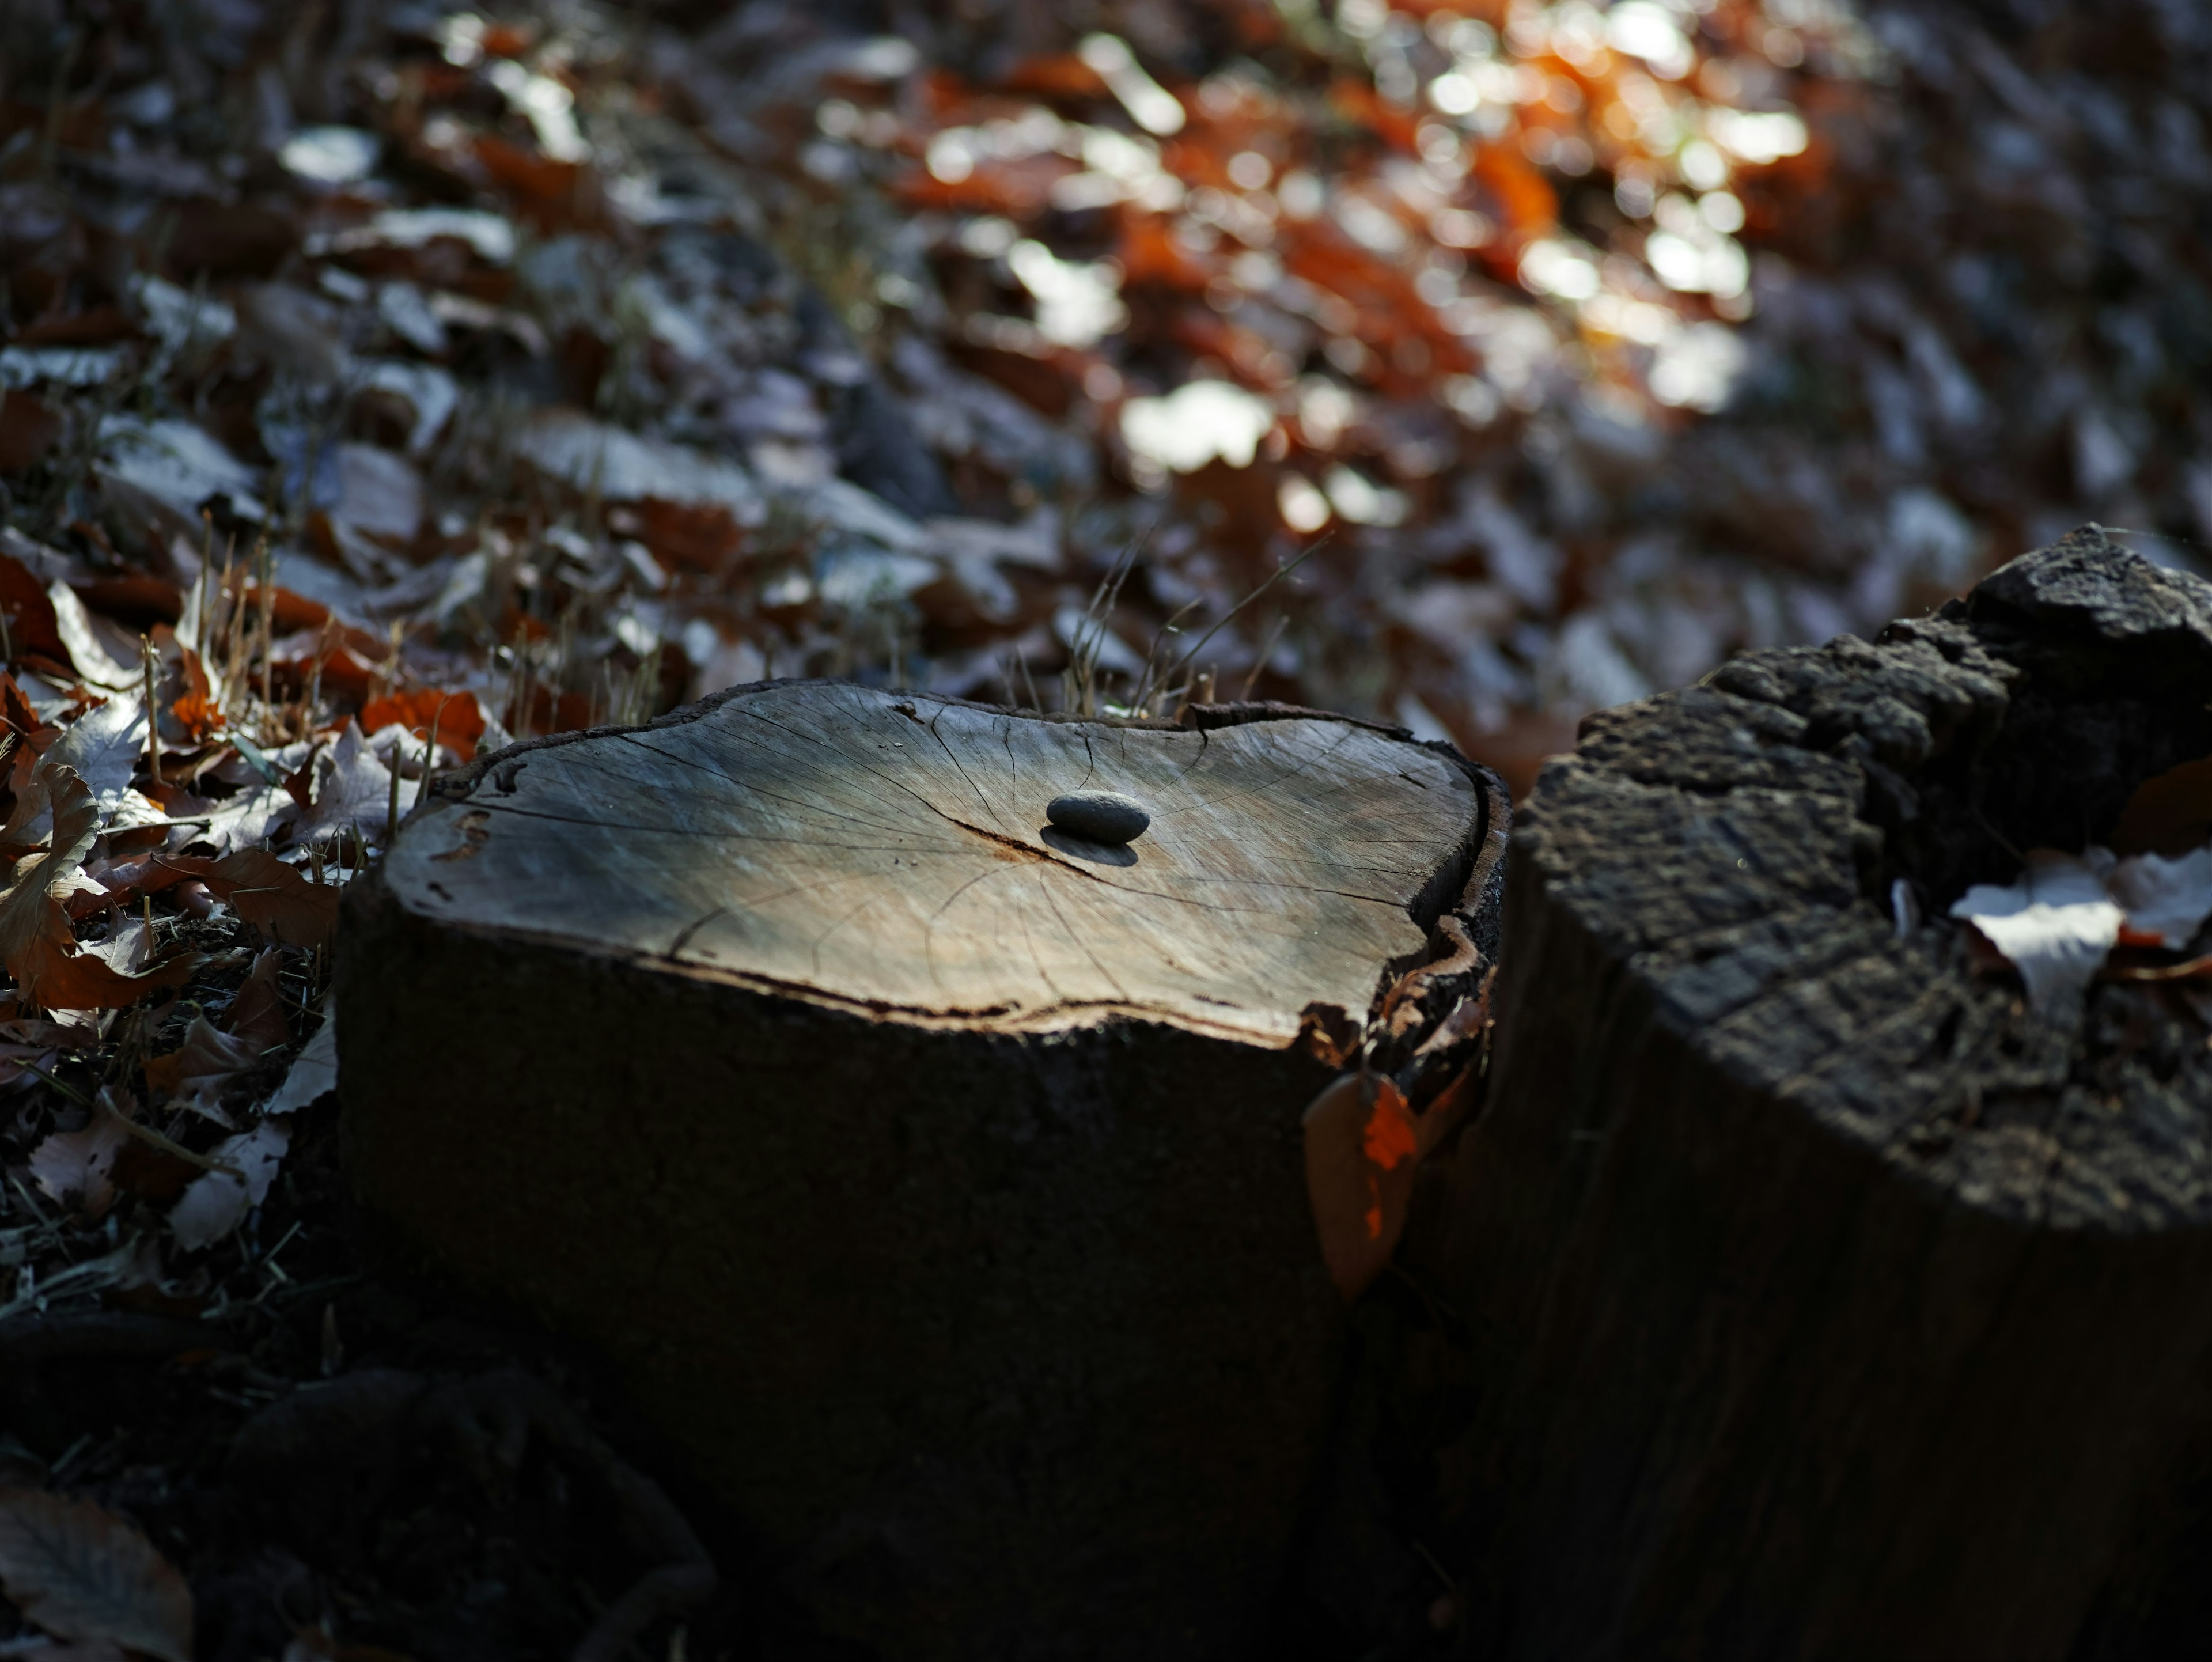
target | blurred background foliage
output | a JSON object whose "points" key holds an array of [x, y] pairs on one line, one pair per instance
{"points": [[583, 358]]}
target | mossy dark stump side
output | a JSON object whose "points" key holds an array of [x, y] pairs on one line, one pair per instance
{"points": [[1827, 1303], [933, 1174]]}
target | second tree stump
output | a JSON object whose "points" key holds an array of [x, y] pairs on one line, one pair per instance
{"points": [[1822, 1299]]}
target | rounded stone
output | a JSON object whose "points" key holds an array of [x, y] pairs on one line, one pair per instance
{"points": [[1098, 816]]}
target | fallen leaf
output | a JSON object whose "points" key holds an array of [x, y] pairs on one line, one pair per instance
{"points": [[36, 943], [27, 614], [195, 707], [77, 1166], [457, 717], [314, 1071], [248, 818], [273, 897], [2055, 925], [197, 1072], [15, 709], [103, 748], [94, 662], [18, 1060], [129, 947], [1361, 1149], [2165, 898], [82, 1573], [215, 1203], [2170, 813], [256, 1013], [351, 790]]}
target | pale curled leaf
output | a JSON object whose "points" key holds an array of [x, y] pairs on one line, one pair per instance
{"points": [[314, 1070], [82, 1573], [198, 1071], [2056, 925], [99, 667], [215, 1203], [102, 747], [2169, 898], [77, 1164], [352, 790]]}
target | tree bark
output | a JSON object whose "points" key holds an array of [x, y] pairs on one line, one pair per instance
{"points": [[934, 1175], [1818, 1299]]}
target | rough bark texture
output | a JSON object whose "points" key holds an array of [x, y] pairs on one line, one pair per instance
{"points": [[1813, 1299], [937, 1177]]}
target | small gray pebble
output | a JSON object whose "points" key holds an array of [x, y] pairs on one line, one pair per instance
{"points": [[1098, 816]]}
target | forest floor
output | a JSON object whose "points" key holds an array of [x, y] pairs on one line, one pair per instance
{"points": [[384, 382]]}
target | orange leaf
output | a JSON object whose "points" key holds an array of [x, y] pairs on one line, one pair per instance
{"points": [[1361, 1146], [459, 718], [1524, 196], [195, 709], [269, 894], [1388, 1137]]}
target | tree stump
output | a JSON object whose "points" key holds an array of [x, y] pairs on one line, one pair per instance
{"points": [[935, 1175], [1827, 1302]]}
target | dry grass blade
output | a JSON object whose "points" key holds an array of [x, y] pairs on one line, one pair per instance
{"points": [[82, 1573], [1271, 580]]}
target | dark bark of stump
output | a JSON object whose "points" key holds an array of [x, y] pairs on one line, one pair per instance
{"points": [[968, 1249], [1816, 1300]]}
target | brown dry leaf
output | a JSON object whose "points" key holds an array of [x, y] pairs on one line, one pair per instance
{"points": [[28, 613], [197, 1072], [2169, 814], [36, 943], [352, 790], [269, 894], [83, 1573], [257, 1015], [1362, 1146], [15, 710], [82, 1163]]}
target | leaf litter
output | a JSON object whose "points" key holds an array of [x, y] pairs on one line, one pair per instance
{"points": [[82, 1573], [379, 394], [2059, 924]]}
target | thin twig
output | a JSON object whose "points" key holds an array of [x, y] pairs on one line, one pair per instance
{"points": [[1267, 652], [146, 1134]]}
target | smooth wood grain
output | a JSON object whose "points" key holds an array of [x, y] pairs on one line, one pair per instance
{"points": [[893, 853]]}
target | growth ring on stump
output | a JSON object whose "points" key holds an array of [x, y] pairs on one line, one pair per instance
{"points": [[1840, 1304], [933, 1173]]}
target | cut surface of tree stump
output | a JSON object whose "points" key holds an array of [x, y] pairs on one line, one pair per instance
{"points": [[934, 1175], [1831, 1302]]}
